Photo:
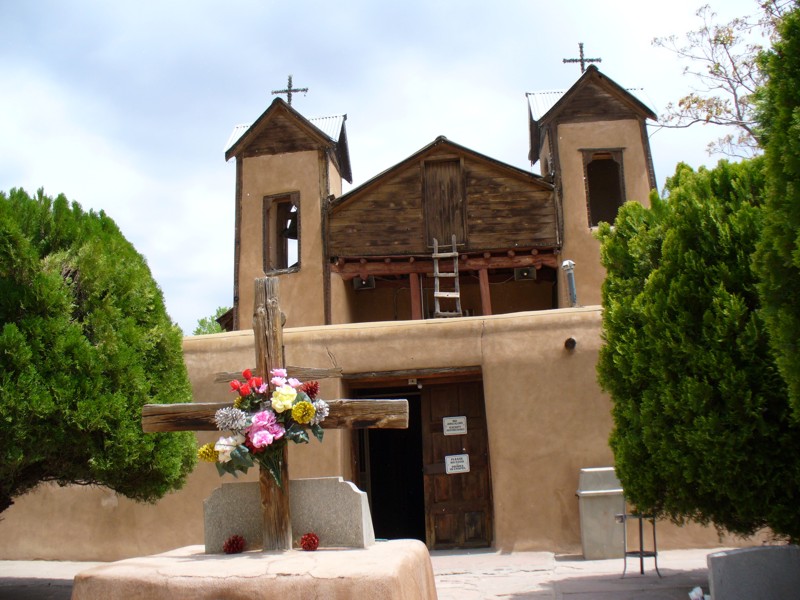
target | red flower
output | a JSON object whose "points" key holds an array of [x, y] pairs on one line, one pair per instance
{"points": [[311, 388], [235, 385], [244, 390], [309, 542], [247, 374], [255, 382], [234, 545]]}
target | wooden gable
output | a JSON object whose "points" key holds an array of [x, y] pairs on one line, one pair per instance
{"points": [[443, 189], [594, 97], [280, 130]]}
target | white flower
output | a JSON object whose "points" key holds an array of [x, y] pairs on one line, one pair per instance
{"points": [[226, 445]]}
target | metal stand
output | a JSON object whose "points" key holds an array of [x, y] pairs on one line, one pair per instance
{"points": [[641, 552]]}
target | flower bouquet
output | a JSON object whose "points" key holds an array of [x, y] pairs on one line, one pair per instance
{"points": [[262, 423]]}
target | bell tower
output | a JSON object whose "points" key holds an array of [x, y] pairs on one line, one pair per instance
{"points": [[287, 167], [593, 147]]}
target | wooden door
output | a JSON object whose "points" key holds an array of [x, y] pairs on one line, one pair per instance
{"points": [[445, 208], [458, 505]]}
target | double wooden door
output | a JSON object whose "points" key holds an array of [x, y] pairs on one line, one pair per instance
{"points": [[457, 478]]}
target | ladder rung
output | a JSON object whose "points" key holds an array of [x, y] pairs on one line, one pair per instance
{"points": [[446, 295], [446, 274], [447, 314], [445, 254]]}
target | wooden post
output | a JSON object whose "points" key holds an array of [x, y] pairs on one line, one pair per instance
{"points": [[486, 296], [268, 334], [416, 302]]}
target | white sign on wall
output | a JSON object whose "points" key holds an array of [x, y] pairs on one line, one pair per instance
{"points": [[454, 425], [456, 463]]}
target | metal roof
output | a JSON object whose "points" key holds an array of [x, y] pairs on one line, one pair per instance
{"points": [[540, 103], [330, 126]]}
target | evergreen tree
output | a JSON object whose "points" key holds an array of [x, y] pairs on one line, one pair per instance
{"points": [[85, 342], [702, 426], [778, 256]]}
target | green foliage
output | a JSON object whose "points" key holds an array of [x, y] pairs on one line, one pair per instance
{"points": [[209, 324], [778, 256], [702, 428], [85, 342]]}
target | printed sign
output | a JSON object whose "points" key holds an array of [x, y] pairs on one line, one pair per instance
{"points": [[456, 463], [454, 425]]}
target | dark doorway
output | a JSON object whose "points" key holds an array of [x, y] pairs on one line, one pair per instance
{"points": [[390, 465]]}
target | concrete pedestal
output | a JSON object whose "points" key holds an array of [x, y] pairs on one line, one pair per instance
{"points": [[399, 569]]}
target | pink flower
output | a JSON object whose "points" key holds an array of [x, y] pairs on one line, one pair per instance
{"points": [[263, 419], [278, 381], [262, 438], [295, 383], [278, 373]]}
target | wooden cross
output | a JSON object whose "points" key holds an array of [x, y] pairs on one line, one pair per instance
{"points": [[581, 59], [352, 414], [288, 91]]}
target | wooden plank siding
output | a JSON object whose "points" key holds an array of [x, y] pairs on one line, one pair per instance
{"points": [[282, 136], [593, 101], [387, 220], [505, 208]]}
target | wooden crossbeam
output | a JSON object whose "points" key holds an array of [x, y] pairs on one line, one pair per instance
{"points": [[344, 414]]}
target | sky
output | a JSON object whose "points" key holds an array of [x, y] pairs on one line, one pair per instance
{"points": [[126, 107]]}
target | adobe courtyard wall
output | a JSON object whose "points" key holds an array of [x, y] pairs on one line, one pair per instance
{"points": [[546, 419]]}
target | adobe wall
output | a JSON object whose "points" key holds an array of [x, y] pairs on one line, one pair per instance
{"points": [[580, 244], [278, 174], [546, 419]]}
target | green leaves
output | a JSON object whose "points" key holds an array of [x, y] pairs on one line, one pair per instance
{"points": [[241, 460], [85, 342], [698, 409]]}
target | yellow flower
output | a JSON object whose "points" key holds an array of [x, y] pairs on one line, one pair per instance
{"points": [[303, 412], [207, 453], [283, 398]]}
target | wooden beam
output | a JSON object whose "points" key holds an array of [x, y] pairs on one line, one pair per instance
{"points": [[486, 294], [363, 268], [302, 373], [354, 414]]}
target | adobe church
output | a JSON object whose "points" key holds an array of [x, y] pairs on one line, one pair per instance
{"points": [[439, 280]]}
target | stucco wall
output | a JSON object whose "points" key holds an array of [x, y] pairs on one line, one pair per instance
{"points": [[546, 419], [580, 245], [278, 174]]}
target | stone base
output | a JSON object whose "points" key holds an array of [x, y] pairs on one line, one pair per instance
{"points": [[757, 572], [398, 569]]}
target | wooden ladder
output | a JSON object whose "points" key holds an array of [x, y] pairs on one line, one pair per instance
{"points": [[454, 294]]}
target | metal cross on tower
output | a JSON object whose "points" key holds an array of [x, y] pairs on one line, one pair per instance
{"points": [[580, 60], [289, 90]]}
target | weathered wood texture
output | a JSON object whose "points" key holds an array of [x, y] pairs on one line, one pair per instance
{"points": [[302, 373], [595, 101], [353, 414], [486, 205], [444, 201], [282, 135], [268, 337]]}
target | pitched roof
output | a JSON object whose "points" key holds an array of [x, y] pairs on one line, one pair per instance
{"points": [[329, 131], [546, 107], [439, 141]]}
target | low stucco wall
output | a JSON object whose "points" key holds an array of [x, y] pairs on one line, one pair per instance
{"points": [[546, 419]]}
